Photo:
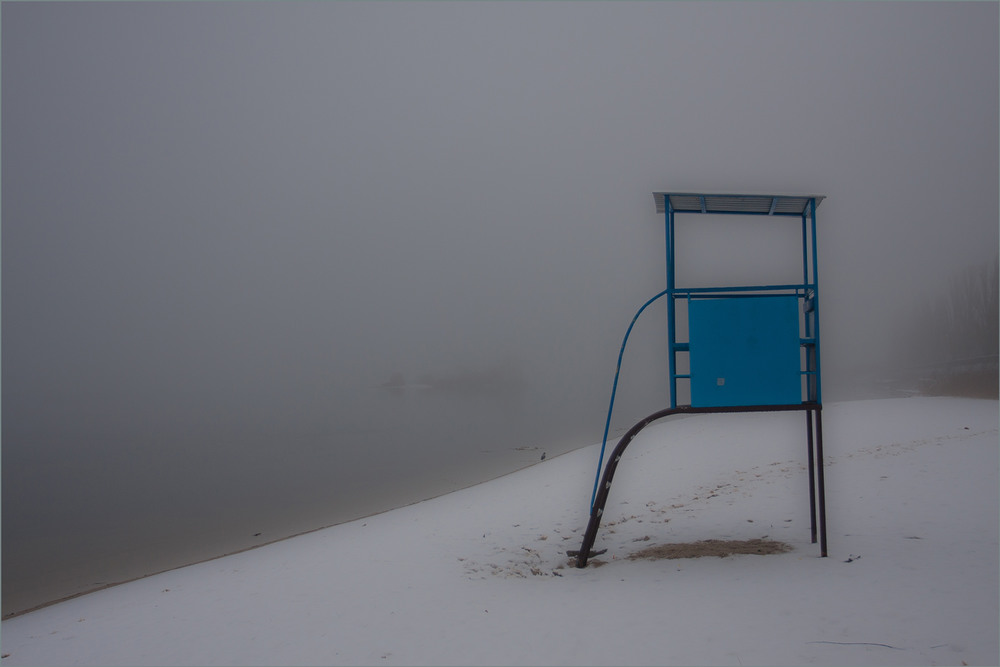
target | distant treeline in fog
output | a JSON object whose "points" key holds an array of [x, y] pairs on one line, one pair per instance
{"points": [[959, 325]]}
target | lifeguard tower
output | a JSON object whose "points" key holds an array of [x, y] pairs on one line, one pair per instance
{"points": [[737, 348]]}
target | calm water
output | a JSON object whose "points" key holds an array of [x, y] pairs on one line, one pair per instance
{"points": [[112, 509]]}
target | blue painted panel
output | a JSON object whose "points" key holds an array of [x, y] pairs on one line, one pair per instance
{"points": [[745, 351]]}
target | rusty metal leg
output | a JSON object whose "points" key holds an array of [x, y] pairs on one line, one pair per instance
{"points": [[821, 486], [812, 475], [597, 509]]}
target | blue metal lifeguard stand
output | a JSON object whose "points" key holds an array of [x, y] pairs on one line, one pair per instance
{"points": [[738, 348]]}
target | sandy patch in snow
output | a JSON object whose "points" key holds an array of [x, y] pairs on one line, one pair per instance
{"points": [[720, 548]]}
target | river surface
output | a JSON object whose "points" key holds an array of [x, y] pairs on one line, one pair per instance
{"points": [[118, 507]]}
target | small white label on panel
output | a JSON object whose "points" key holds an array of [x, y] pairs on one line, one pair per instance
{"points": [[720, 381]]}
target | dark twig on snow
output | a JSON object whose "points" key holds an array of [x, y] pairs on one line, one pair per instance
{"points": [[896, 648]]}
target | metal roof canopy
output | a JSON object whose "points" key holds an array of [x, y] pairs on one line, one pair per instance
{"points": [[740, 204]]}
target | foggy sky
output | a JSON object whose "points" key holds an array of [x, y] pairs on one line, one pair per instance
{"points": [[340, 190], [221, 214]]}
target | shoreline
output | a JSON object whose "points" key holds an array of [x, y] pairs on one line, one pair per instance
{"points": [[105, 586]]}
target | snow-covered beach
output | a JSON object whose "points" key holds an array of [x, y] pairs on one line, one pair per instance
{"points": [[481, 576]]}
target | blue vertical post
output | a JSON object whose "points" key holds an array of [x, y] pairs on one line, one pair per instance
{"points": [[808, 327], [815, 283], [805, 281], [805, 251], [671, 317]]}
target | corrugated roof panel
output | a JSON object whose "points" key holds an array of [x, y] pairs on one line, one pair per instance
{"points": [[773, 204], [686, 202], [794, 205], [737, 204]]}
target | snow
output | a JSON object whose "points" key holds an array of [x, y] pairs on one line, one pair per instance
{"points": [[480, 576]]}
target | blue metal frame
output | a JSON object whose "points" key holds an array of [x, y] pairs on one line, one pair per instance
{"points": [[807, 291]]}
